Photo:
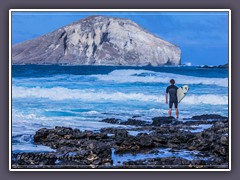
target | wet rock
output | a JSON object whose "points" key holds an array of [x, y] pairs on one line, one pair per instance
{"points": [[208, 116], [136, 116], [41, 134], [30, 159], [111, 121], [218, 125], [121, 133], [145, 140], [224, 140], [216, 161], [223, 151], [134, 122], [158, 121], [211, 140], [62, 131], [169, 162], [88, 149]]}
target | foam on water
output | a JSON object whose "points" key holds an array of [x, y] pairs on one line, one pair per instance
{"points": [[60, 93], [145, 76], [135, 133], [201, 127], [123, 76], [23, 138], [18, 148]]}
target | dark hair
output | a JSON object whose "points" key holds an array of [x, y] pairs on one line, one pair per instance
{"points": [[172, 81]]}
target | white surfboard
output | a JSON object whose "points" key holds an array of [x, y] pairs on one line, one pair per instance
{"points": [[181, 92]]}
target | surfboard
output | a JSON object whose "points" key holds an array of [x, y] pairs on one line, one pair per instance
{"points": [[181, 92]]}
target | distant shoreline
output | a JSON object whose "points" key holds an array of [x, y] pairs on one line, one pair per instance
{"points": [[181, 65]]}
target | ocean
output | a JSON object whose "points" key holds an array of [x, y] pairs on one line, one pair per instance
{"points": [[81, 96]]}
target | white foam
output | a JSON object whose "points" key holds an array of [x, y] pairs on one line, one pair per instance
{"points": [[132, 76], [201, 127], [188, 64], [31, 148], [59, 93], [206, 99]]}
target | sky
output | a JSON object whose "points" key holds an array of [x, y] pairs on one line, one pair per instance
{"points": [[202, 36]]}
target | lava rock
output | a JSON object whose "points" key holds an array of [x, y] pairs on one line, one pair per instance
{"points": [[88, 149], [157, 121], [134, 122], [208, 116], [111, 121]]}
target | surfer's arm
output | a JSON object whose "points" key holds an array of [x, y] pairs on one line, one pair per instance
{"points": [[166, 98], [166, 95]]}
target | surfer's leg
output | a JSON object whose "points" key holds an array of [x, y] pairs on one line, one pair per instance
{"points": [[170, 108], [177, 113], [170, 112], [176, 109]]}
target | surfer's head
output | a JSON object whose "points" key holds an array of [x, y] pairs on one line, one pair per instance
{"points": [[172, 81]]}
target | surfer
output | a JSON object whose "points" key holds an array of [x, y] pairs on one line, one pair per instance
{"points": [[172, 90]]}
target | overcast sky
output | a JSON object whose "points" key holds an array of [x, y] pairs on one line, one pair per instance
{"points": [[202, 36]]}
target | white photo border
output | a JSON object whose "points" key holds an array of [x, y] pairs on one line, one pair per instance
{"points": [[117, 10]]}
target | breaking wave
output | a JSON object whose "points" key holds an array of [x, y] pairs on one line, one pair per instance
{"points": [[60, 93], [145, 76]]}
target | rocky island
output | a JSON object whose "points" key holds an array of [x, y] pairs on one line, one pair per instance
{"points": [[97, 40]]}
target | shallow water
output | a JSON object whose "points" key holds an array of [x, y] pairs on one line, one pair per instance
{"points": [[201, 127], [119, 159], [19, 148]]}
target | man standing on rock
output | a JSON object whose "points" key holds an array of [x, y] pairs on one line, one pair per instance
{"points": [[172, 90]]}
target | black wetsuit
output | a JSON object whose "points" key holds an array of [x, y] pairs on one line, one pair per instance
{"points": [[172, 90]]}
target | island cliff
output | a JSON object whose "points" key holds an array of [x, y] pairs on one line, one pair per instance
{"points": [[98, 40]]}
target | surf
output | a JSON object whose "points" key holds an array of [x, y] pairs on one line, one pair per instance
{"points": [[146, 76], [61, 93]]}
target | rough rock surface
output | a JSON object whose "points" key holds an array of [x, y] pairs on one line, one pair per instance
{"points": [[87, 149], [97, 40]]}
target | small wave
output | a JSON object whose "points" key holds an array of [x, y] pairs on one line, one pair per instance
{"points": [[22, 138], [145, 76], [59, 93], [18, 148], [206, 99]]}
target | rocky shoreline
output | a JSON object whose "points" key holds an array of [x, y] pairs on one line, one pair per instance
{"points": [[197, 142], [224, 66]]}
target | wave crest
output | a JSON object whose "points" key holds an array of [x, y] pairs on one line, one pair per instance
{"points": [[145, 76], [59, 93]]}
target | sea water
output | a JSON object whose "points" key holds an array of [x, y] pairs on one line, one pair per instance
{"points": [[81, 96]]}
